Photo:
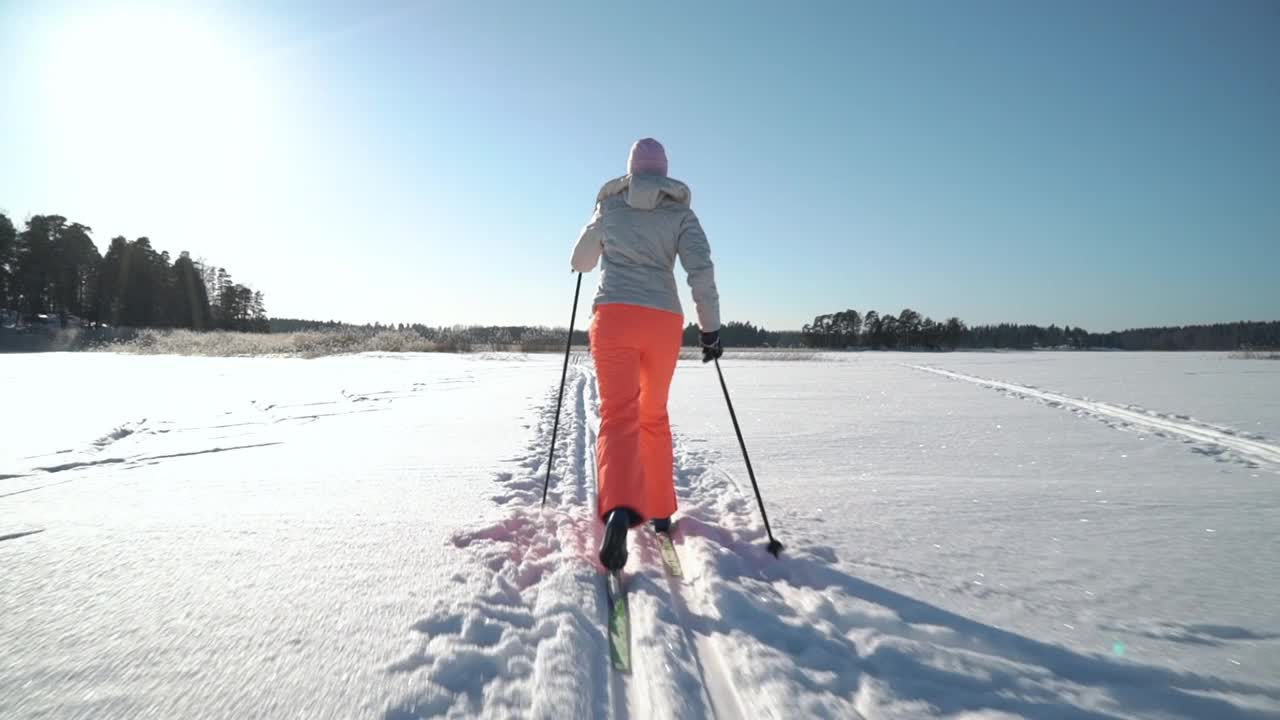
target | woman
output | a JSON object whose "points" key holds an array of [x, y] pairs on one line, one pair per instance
{"points": [[641, 224]]}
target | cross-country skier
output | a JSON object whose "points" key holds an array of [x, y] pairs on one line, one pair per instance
{"points": [[642, 223]]}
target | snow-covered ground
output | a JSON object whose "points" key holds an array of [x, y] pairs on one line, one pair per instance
{"points": [[968, 535]]}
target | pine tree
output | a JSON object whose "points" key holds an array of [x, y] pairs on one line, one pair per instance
{"points": [[8, 262], [188, 303]]}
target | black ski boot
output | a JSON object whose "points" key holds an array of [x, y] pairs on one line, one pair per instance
{"points": [[613, 549], [662, 525]]}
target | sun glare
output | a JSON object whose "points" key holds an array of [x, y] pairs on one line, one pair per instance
{"points": [[156, 100]]}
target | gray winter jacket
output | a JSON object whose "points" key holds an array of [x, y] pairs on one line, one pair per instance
{"points": [[641, 224]]}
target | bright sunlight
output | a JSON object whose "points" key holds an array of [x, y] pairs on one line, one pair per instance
{"points": [[156, 99]]}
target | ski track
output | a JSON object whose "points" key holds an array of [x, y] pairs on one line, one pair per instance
{"points": [[690, 666], [1224, 444], [532, 560], [532, 557], [147, 441]]}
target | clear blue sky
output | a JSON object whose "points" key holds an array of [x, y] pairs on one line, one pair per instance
{"points": [[1105, 164]]}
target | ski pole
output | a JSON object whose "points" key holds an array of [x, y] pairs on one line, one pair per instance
{"points": [[775, 547], [564, 373]]}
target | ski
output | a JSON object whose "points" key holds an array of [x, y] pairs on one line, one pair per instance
{"points": [[670, 560], [619, 623]]}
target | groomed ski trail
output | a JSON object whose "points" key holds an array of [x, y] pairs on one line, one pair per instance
{"points": [[1253, 452], [532, 639], [539, 617], [683, 628], [720, 697], [525, 634], [586, 430]]}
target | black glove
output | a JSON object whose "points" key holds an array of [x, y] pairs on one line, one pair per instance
{"points": [[711, 349]]}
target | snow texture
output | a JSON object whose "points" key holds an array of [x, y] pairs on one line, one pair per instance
{"points": [[361, 537]]}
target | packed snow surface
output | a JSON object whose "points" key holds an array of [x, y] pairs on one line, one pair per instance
{"points": [[1042, 535]]}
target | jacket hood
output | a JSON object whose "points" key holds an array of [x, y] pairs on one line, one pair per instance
{"points": [[646, 192]]}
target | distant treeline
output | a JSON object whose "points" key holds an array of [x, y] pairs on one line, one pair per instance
{"points": [[529, 339], [744, 334], [909, 330], [851, 330], [52, 271], [1222, 336]]}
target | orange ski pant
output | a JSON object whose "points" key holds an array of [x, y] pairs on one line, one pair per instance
{"points": [[635, 349]]}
